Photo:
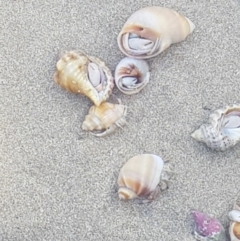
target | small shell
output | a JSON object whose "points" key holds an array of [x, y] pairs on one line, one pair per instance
{"points": [[234, 227], [131, 75], [207, 228], [234, 231], [106, 117], [223, 129], [87, 75], [141, 176], [151, 30]]}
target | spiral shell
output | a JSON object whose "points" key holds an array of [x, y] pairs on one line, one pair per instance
{"points": [[106, 117], [151, 30], [87, 75], [131, 75], [141, 176], [207, 228], [223, 129], [234, 227]]}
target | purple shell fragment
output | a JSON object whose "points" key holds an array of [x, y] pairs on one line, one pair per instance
{"points": [[207, 228]]}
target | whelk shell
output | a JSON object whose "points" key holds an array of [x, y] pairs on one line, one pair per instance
{"points": [[234, 227], [223, 129], [207, 228], [151, 30], [105, 117], [87, 75], [131, 75], [143, 176]]}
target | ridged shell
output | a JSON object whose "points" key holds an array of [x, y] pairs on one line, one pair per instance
{"points": [[223, 129], [234, 227], [151, 30], [131, 75], [207, 228], [87, 75], [140, 177], [106, 117]]}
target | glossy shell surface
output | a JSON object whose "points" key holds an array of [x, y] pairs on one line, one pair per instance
{"points": [[151, 30], [141, 176], [131, 75]]}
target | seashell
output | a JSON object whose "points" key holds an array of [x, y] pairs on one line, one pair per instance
{"points": [[143, 176], [106, 117], [207, 228], [151, 30], [131, 75], [234, 227], [87, 75], [223, 129], [234, 231]]}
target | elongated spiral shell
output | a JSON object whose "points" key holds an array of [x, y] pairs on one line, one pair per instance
{"points": [[105, 117], [131, 75], [151, 30], [223, 129], [87, 75], [140, 177]]}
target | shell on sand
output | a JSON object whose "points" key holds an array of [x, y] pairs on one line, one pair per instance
{"points": [[151, 30], [86, 75], [223, 129]]}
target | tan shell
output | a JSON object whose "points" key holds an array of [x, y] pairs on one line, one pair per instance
{"points": [[141, 176], [87, 75], [234, 227], [131, 75], [223, 129], [106, 117], [151, 30]]}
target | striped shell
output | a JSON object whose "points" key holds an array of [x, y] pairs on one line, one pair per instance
{"points": [[141, 177], [131, 75], [223, 129], [87, 75], [151, 30]]}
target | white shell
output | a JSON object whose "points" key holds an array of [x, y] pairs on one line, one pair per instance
{"points": [[105, 117], [87, 75], [234, 215], [223, 129], [131, 75], [151, 30], [141, 176]]}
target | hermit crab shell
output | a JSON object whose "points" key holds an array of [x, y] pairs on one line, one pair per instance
{"points": [[207, 228], [234, 227], [131, 75], [105, 117], [234, 231], [141, 177], [151, 30], [223, 129], [87, 75]]}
